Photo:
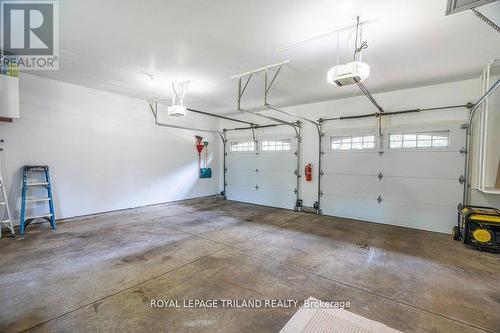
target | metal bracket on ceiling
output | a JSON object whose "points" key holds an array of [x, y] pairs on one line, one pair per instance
{"points": [[249, 75], [242, 91], [242, 88], [268, 87], [260, 69]]}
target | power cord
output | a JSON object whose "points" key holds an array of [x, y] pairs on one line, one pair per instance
{"points": [[364, 44]]}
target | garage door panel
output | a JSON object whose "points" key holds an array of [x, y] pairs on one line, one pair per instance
{"points": [[442, 164], [438, 218], [278, 180], [242, 193], [363, 163], [421, 190], [241, 177], [276, 198], [349, 207], [242, 161], [277, 162], [433, 218], [351, 185], [272, 172]]}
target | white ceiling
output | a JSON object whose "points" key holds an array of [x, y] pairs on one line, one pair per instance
{"points": [[113, 45]]}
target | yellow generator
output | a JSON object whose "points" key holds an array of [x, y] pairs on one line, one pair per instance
{"points": [[478, 226]]}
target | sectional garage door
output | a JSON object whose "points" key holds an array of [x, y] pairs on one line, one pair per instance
{"points": [[262, 177], [413, 187]]}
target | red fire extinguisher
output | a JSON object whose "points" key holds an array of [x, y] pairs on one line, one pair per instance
{"points": [[308, 172]]}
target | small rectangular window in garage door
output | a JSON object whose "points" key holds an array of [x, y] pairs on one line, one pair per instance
{"points": [[354, 142], [436, 139], [276, 145], [242, 146]]}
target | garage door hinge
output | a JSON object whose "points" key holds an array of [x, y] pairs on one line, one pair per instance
{"points": [[321, 173], [225, 169], [463, 150], [380, 175], [225, 154], [379, 199], [296, 172], [296, 153], [461, 180], [322, 153], [464, 126], [225, 184], [257, 187], [381, 152], [256, 170], [321, 193], [295, 191]]}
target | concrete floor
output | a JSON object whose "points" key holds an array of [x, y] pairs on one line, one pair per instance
{"points": [[99, 273]]}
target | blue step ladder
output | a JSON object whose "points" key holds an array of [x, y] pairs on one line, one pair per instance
{"points": [[29, 184]]}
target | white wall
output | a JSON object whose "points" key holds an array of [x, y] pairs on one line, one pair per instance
{"points": [[104, 150]]}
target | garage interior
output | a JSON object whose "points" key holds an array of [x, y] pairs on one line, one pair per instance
{"points": [[183, 154]]}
